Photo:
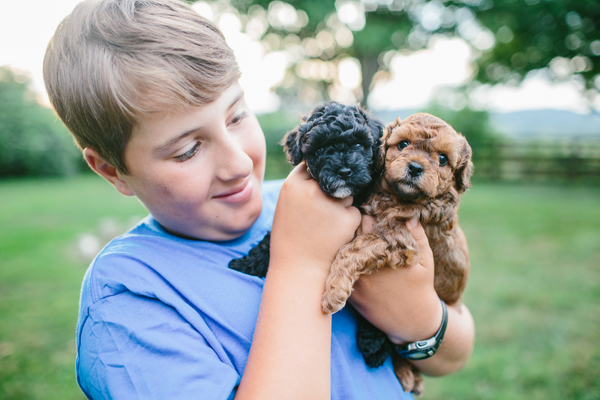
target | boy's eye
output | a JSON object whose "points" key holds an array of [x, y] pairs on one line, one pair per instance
{"points": [[238, 118], [403, 144], [189, 154]]}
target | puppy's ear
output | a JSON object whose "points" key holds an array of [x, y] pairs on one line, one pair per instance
{"points": [[377, 129], [462, 175], [387, 132], [293, 146]]}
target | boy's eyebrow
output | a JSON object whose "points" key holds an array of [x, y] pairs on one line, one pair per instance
{"points": [[172, 141], [237, 98], [176, 139]]}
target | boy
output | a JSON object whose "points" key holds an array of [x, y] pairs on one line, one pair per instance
{"points": [[149, 91]]}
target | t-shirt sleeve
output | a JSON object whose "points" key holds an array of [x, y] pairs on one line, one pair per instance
{"points": [[134, 347]]}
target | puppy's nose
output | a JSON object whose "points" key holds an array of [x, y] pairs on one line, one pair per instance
{"points": [[415, 169], [345, 172]]}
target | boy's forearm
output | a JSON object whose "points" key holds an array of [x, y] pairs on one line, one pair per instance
{"points": [[456, 347], [291, 348]]}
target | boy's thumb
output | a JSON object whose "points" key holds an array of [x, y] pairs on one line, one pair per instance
{"points": [[418, 233]]}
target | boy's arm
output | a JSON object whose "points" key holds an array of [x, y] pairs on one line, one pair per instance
{"points": [[291, 348], [403, 303]]}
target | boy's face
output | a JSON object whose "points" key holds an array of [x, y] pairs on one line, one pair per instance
{"points": [[199, 171]]}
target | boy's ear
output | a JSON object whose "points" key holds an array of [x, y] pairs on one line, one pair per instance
{"points": [[107, 171]]}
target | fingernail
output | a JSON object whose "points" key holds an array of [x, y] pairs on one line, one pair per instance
{"points": [[412, 222]]}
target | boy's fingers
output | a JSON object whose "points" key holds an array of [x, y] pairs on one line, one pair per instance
{"points": [[418, 233], [301, 171], [368, 223], [346, 201]]}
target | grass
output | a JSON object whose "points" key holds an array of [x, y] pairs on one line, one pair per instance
{"points": [[534, 289], [40, 276], [534, 292]]}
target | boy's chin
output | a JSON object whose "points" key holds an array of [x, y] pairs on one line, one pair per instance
{"points": [[234, 229], [230, 232], [216, 234]]}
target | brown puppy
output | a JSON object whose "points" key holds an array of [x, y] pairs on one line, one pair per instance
{"points": [[427, 167]]}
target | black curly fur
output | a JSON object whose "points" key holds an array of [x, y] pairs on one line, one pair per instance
{"points": [[332, 138], [372, 343], [256, 263], [340, 145]]}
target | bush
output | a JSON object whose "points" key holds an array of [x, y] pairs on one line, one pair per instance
{"points": [[33, 142], [275, 126]]}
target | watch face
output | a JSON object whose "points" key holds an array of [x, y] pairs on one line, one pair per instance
{"points": [[418, 356]]}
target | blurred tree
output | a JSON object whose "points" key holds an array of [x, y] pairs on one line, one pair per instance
{"points": [[475, 125], [512, 37], [33, 142], [562, 35]]}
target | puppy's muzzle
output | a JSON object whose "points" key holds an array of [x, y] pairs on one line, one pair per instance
{"points": [[415, 169]]}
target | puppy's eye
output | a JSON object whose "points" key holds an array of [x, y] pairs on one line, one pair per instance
{"points": [[319, 152], [443, 160], [358, 146], [403, 144]]}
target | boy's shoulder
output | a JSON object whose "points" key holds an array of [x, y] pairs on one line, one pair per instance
{"points": [[142, 259]]}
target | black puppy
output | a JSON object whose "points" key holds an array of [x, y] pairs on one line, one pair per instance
{"points": [[341, 147]]}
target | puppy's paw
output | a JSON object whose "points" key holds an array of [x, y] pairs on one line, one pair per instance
{"points": [[408, 375], [419, 386], [372, 343], [404, 373], [333, 300]]}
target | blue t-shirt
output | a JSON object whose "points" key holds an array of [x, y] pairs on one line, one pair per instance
{"points": [[162, 317]]}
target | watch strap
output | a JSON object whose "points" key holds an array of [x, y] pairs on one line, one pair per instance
{"points": [[423, 349]]}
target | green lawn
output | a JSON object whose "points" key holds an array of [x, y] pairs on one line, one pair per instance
{"points": [[534, 289], [534, 292]]}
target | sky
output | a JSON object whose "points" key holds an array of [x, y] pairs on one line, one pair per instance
{"points": [[27, 26]]}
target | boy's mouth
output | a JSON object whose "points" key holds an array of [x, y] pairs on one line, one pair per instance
{"points": [[238, 194]]}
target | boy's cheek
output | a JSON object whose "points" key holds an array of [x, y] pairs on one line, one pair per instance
{"points": [[259, 154]]}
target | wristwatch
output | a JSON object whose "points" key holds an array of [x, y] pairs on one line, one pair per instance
{"points": [[423, 349]]}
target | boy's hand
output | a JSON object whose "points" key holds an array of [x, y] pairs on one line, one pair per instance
{"points": [[309, 226], [402, 302]]}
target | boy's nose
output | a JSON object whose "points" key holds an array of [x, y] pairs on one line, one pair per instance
{"points": [[233, 162]]}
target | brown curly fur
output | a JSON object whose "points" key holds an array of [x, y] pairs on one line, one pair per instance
{"points": [[433, 197]]}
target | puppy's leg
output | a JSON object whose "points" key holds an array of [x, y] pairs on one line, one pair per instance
{"points": [[404, 373], [372, 343], [451, 258], [419, 383], [404, 249], [408, 375], [364, 254]]}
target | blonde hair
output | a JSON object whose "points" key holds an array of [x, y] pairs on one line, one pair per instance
{"points": [[112, 61]]}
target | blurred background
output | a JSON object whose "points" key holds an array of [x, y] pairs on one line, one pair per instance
{"points": [[519, 78]]}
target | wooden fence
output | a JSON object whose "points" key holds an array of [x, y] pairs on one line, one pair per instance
{"points": [[574, 160]]}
